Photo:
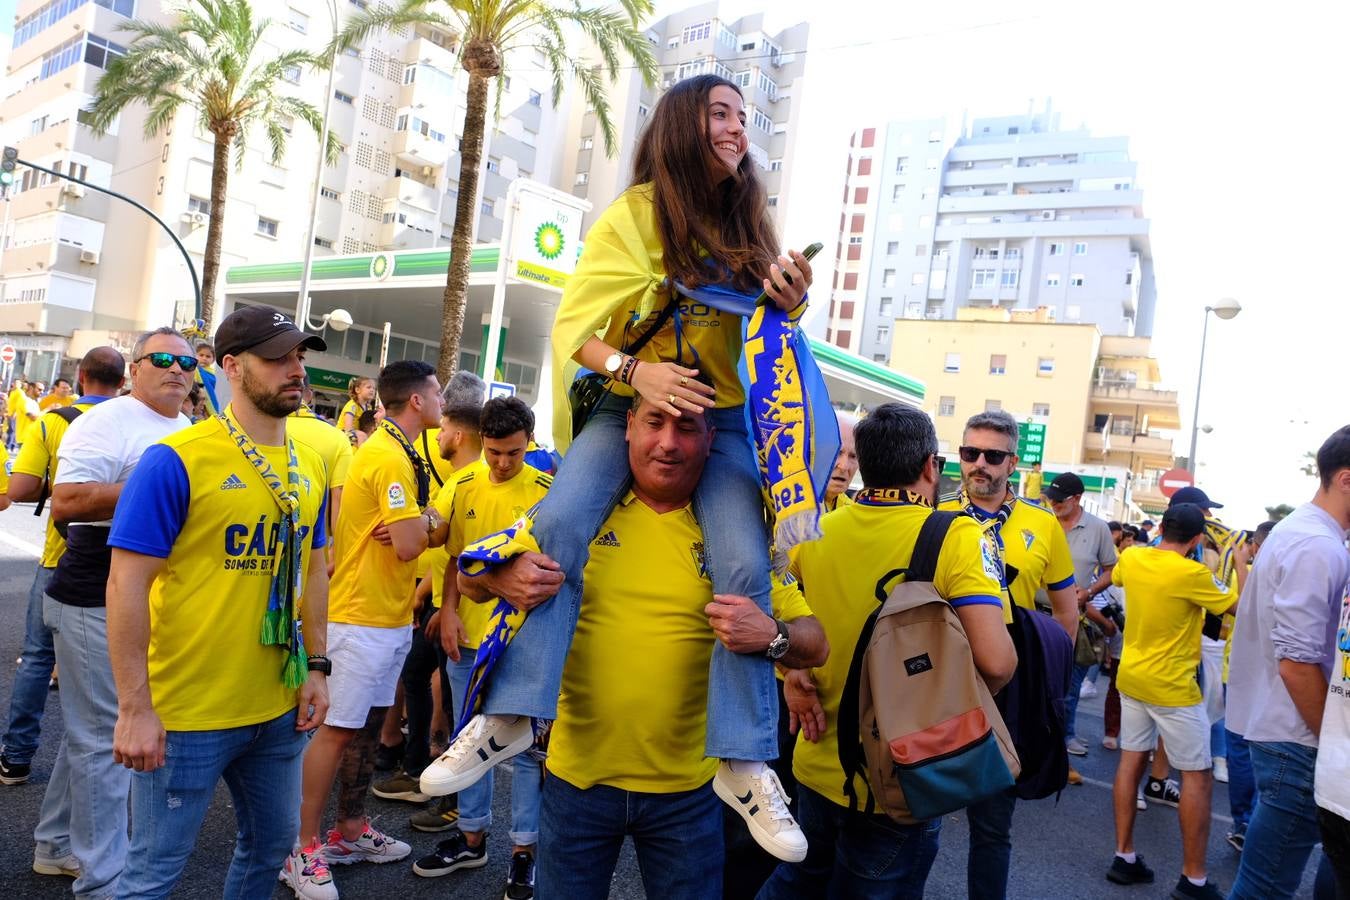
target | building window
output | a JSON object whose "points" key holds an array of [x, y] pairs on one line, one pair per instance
{"points": [[884, 307], [854, 239], [879, 357], [998, 364], [696, 32], [299, 21], [1076, 280], [587, 143], [494, 165], [883, 333], [99, 52], [672, 43], [888, 278], [952, 363], [771, 200], [1045, 365], [1056, 249], [982, 278], [892, 248], [726, 36], [1040, 409], [199, 205], [1009, 278], [1052, 281], [325, 243], [341, 97], [775, 165], [946, 406], [1080, 248], [1013, 253], [292, 74], [761, 121], [993, 405], [267, 227], [329, 193], [643, 109], [536, 98], [582, 178], [981, 252]]}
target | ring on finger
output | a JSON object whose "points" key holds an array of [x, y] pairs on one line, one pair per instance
{"points": [[684, 382], [671, 398]]}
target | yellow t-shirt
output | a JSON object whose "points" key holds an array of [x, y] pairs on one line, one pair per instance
{"points": [[331, 444], [1031, 485], [197, 503], [475, 508], [633, 708], [1168, 596], [353, 409], [1034, 544], [22, 424], [840, 502], [14, 403], [371, 586], [859, 545], [38, 458], [442, 471], [51, 400]]}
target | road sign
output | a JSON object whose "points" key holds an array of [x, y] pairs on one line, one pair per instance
{"points": [[1174, 480], [501, 389], [1031, 443], [8, 354]]}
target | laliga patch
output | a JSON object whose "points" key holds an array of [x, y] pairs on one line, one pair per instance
{"points": [[990, 561], [397, 498]]}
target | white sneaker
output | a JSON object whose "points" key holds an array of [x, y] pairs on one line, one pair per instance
{"points": [[1087, 690], [66, 865], [306, 874], [1221, 770], [761, 803], [372, 846], [484, 742]]}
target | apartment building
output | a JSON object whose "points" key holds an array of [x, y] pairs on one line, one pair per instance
{"points": [[767, 64], [74, 260], [1100, 397], [1012, 212]]}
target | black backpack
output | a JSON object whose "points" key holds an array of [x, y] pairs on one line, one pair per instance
{"points": [[1032, 703]]}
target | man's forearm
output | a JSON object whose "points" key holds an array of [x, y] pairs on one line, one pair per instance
{"points": [[314, 608], [1307, 687], [86, 502], [475, 587], [129, 637], [1064, 603], [1100, 584], [24, 488], [807, 645]]}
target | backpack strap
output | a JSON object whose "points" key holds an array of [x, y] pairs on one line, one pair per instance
{"points": [[70, 414], [426, 451], [922, 566]]}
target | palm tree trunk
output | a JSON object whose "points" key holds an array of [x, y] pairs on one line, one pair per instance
{"points": [[215, 230], [461, 236]]}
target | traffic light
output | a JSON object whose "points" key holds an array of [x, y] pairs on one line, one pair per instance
{"points": [[8, 161]]}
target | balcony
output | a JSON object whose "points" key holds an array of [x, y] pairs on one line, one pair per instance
{"points": [[1147, 449], [415, 149], [413, 193]]}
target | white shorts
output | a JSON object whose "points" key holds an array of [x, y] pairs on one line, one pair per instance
{"points": [[1184, 729], [366, 665]]}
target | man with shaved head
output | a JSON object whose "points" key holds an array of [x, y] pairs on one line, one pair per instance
{"points": [[845, 465]]}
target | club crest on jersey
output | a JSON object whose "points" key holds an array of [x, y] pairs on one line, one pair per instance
{"points": [[397, 498], [1029, 537], [700, 558]]}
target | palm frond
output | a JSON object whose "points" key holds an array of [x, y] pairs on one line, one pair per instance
{"points": [[382, 18]]}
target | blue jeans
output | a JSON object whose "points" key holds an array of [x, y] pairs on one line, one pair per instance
{"points": [[28, 699], [742, 698], [990, 854], [1071, 699], [475, 802], [677, 838], [854, 855], [1283, 827], [261, 765], [1241, 781], [98, 821]]}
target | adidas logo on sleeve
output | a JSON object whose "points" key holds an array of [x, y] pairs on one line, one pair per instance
{"points": [[233, 483]]}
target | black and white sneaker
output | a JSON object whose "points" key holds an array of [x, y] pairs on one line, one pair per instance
{"points": [[1165, 792], [520, 878], [451, 855], [13, 772]]}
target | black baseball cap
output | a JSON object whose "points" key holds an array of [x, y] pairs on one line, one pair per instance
{"points": [[1192, 494], [1065, 485], [1183, 520], [262, 331]]}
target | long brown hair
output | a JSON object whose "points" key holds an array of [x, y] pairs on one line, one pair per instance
{"points": [[727, 218]]}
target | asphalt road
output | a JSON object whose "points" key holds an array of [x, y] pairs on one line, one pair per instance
{"points": [[1060, 850]]}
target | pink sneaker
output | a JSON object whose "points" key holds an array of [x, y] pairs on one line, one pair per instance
{"points": [[372, 846], [306, 874]]}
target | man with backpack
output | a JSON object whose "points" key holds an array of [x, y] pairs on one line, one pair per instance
{"points": [[1035, 555], [865, 549]]}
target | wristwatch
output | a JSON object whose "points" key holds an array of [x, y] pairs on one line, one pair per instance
{"points": [[613, 363], [433, 519], [321, 664], [778, 647]]}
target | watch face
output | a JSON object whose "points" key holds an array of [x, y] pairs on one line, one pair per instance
{"points": [[612, 363]]}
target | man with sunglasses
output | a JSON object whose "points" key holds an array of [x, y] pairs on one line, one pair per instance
{"points": [[100, 451], [1035, 555]]}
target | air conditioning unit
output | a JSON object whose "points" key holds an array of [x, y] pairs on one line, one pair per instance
{"points": [[89, 256], [71, 189], [194, 218], [1048, 215]]}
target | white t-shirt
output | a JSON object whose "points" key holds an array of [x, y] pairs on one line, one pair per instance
{"points": [[106, 442]]}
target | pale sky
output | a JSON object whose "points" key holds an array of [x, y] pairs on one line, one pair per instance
{"points": [[1234, 113]]}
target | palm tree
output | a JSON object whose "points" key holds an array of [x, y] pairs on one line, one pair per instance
{"points": [[212, 58], [489, 30]]}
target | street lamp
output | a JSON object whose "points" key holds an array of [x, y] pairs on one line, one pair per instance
{"points": [[1225, 309], [302, 302]]}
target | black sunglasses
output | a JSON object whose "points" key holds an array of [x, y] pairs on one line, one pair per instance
{"points": [[166, 361], [993, 457], [941, 462]]}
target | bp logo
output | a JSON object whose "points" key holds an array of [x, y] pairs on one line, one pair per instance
{"points": [[380, 266], [548, 240]]}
